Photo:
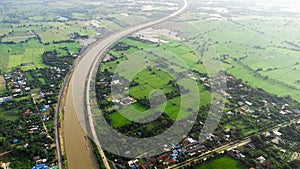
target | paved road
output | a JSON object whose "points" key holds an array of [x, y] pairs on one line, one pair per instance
{"points": [[77, 104]]}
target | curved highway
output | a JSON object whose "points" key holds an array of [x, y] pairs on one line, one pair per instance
{"points": [[78, 123]]}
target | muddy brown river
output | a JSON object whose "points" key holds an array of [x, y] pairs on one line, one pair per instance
{"points": [[79, 154]]}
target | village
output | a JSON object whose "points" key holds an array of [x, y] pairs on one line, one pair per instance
{"points": [[30, 100]]}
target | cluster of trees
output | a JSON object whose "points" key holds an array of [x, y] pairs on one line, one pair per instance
{"points": [[147, 130], [51, 58], [121, 46], [291, 133]]}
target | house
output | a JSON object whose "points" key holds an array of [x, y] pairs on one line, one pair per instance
{"points": [[192, 77], [229, 113], [203, 79], [27, 112], [127, 101], [208, 136], [45, 117], [44, 108], [197, 150], [261, 159], [277, 133], [248, 103], [240, 103], [40, 166], [191, 140], [167, 147], [163, 157], [41, 95], [236, 153], [133, 163], [193, 147], [26, 145], [5, 165], [172, 159], [269, 164], [15, 141], [115, 82], [17, 91], [7, 99], [282, 112]]}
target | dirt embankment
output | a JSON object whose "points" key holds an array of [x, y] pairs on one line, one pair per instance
{"points": [[2, 83]]}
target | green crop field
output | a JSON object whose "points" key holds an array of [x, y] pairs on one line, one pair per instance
{"points": [[118, 120], [10, 49], [223, 163], [29, 54], [51, 35], [149, 81], [110, 25], [256, 81], [31, 57]]}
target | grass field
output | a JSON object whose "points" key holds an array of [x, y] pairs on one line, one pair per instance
{"points": [[225, 162], [110, 25]]}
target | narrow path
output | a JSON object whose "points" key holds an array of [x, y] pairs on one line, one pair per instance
{"points": [[43, 123], [3, 154]]}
